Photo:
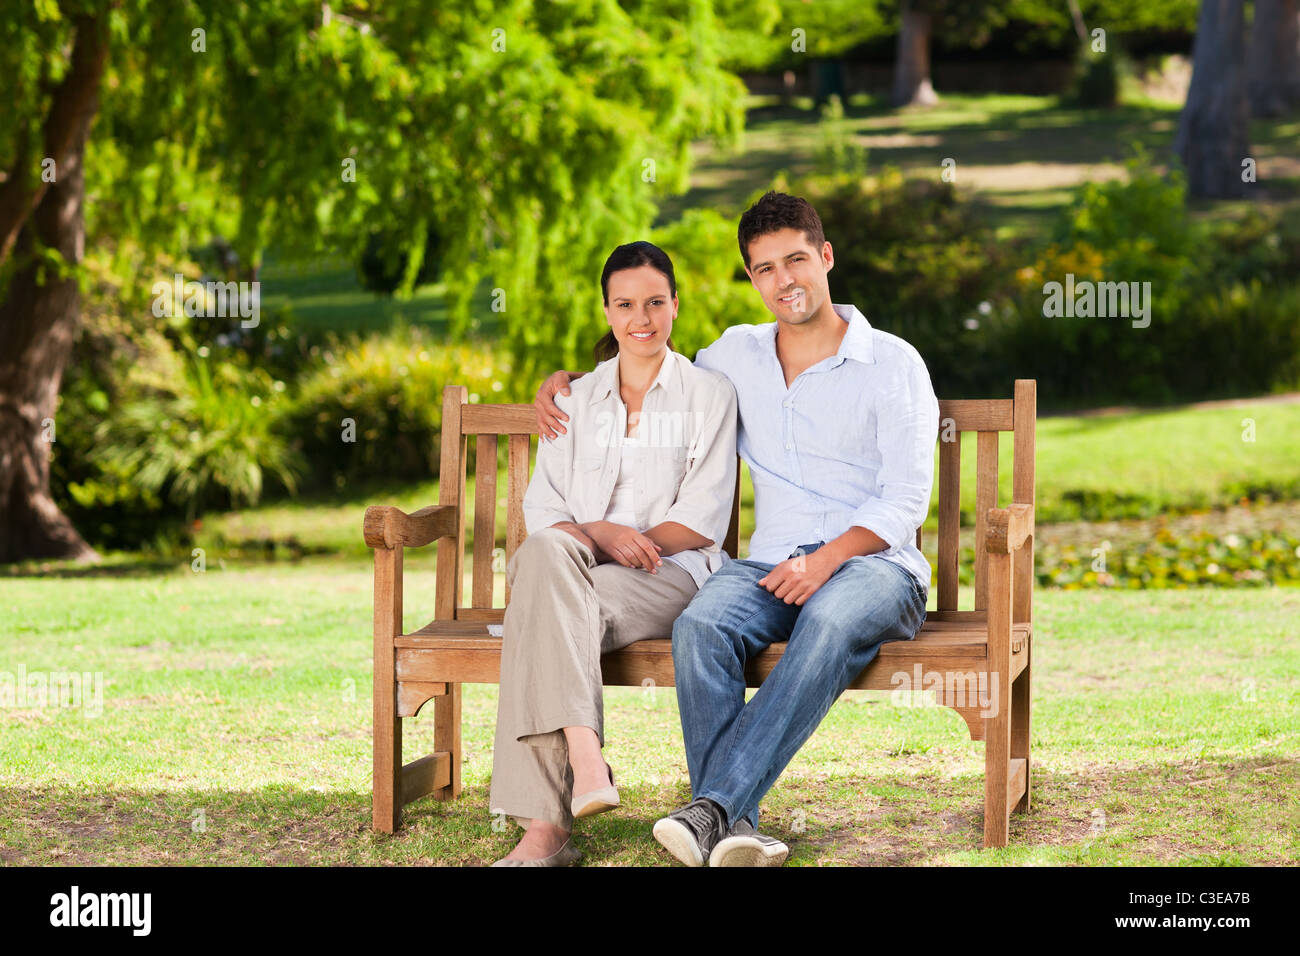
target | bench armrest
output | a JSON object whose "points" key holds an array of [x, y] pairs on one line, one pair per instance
{"points": [[388, 527], [1008, 528]]}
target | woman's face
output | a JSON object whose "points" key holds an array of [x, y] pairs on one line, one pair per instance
{"points": [[640, 310]]}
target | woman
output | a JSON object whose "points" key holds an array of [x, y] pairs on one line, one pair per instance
{"points": [[626, 513]]}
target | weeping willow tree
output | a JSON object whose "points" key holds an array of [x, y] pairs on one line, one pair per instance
{"points": [[534, 136]]}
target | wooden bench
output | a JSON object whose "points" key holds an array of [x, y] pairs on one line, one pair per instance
{"points": [[958, 653]]}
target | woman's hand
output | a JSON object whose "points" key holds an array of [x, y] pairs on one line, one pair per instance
{"points": [[549, 415], [575, 530], [625, 545]]}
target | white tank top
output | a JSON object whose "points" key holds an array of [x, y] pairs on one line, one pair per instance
{"points": [[622, 510]]}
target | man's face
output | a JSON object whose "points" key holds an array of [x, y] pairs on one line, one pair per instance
{"points": [[790, 274]]}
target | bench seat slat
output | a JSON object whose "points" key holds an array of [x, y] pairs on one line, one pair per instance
{"points": [[464, 651]]}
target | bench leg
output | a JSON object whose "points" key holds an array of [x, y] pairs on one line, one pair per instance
{"points": [[386, 785], [997, 769], [386, 790], [446, 738], [1020, 727]]}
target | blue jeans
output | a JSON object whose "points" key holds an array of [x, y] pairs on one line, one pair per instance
{"points": [[736, 750]]}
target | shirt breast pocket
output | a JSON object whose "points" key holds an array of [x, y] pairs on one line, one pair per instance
{"points": [[665, 469], [588, 468]]}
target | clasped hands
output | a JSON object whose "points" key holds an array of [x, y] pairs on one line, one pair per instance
{"points": [[616, 542]]}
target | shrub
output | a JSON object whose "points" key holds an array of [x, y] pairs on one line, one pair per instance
{"points": [[918, 261], [1222, 304], [198, 433], [372, 409], [1262, 245], [1134, 230], [1096, 80]]}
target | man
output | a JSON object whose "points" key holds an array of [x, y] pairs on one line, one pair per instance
{"points": [[837, 422]]}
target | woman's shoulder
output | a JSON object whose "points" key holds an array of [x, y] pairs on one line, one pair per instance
{"points": [[583, 388], [706, 382]]}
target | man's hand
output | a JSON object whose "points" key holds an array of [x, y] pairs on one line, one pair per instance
{"points": [[625, 545], [795, 580], [549, 415]]}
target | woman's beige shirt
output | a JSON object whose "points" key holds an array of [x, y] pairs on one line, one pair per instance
{"points": [[686, 466]]}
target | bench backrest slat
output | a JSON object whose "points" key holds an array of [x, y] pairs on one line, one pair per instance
{"points": [[986, 417], [451, 491], [485, 516], [949, 480], [517, 471], [986, 497], [1022, 490]]}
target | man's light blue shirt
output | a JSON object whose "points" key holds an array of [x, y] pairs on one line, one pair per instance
{"points": [[849, 443]]}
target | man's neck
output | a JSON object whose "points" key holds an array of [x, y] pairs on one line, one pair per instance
{"points": [[820, 336]]}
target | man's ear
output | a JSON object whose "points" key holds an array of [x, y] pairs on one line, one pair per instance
{"points": [[828, 256]]}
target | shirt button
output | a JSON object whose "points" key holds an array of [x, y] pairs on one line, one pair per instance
{"points": [[788, 446]]}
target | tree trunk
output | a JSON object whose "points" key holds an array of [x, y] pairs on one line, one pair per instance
{"points": [[1273, 73], [38, 319], [1212, 130], [912, 64]]}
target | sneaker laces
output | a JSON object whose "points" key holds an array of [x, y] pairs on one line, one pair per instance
{"points": [[699, 816]]}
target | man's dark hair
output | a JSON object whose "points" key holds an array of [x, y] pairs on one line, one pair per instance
{"points": [[630, 256], [776, 211]]}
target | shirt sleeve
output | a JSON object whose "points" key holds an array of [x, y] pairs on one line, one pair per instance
{"points": [[546, 500], [907, 425], [704, 499]]}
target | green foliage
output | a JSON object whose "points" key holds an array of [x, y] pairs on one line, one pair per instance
{"points": [[382, 271], [372, 408], [903, 246], [1262, 245], [199, 433], [1096, 80], [918, 262], [1132, 230], [1222, 309], [1243, 337], [1138, 221], [712, 289], [537, 136], [838, 152]]}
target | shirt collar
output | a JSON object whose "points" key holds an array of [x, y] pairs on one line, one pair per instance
{"points": [[857, 342], [606, 374]]}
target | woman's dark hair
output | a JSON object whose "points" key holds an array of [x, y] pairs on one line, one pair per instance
{"points": [[630, 256]]}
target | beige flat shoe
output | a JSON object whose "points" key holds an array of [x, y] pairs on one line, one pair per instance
{"points": [[596, 801], [564, 856]]}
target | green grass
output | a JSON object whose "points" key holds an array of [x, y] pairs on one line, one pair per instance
{"points": [[235, 729], [325, 296]]}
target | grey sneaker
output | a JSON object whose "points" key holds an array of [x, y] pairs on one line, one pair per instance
{"points": [[692, 832], [745, 846]]}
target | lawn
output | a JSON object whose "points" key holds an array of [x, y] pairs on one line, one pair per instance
{"points": [[235, 729]]}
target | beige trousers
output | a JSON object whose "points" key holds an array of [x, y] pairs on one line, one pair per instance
{"points": [[565, 610]]}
